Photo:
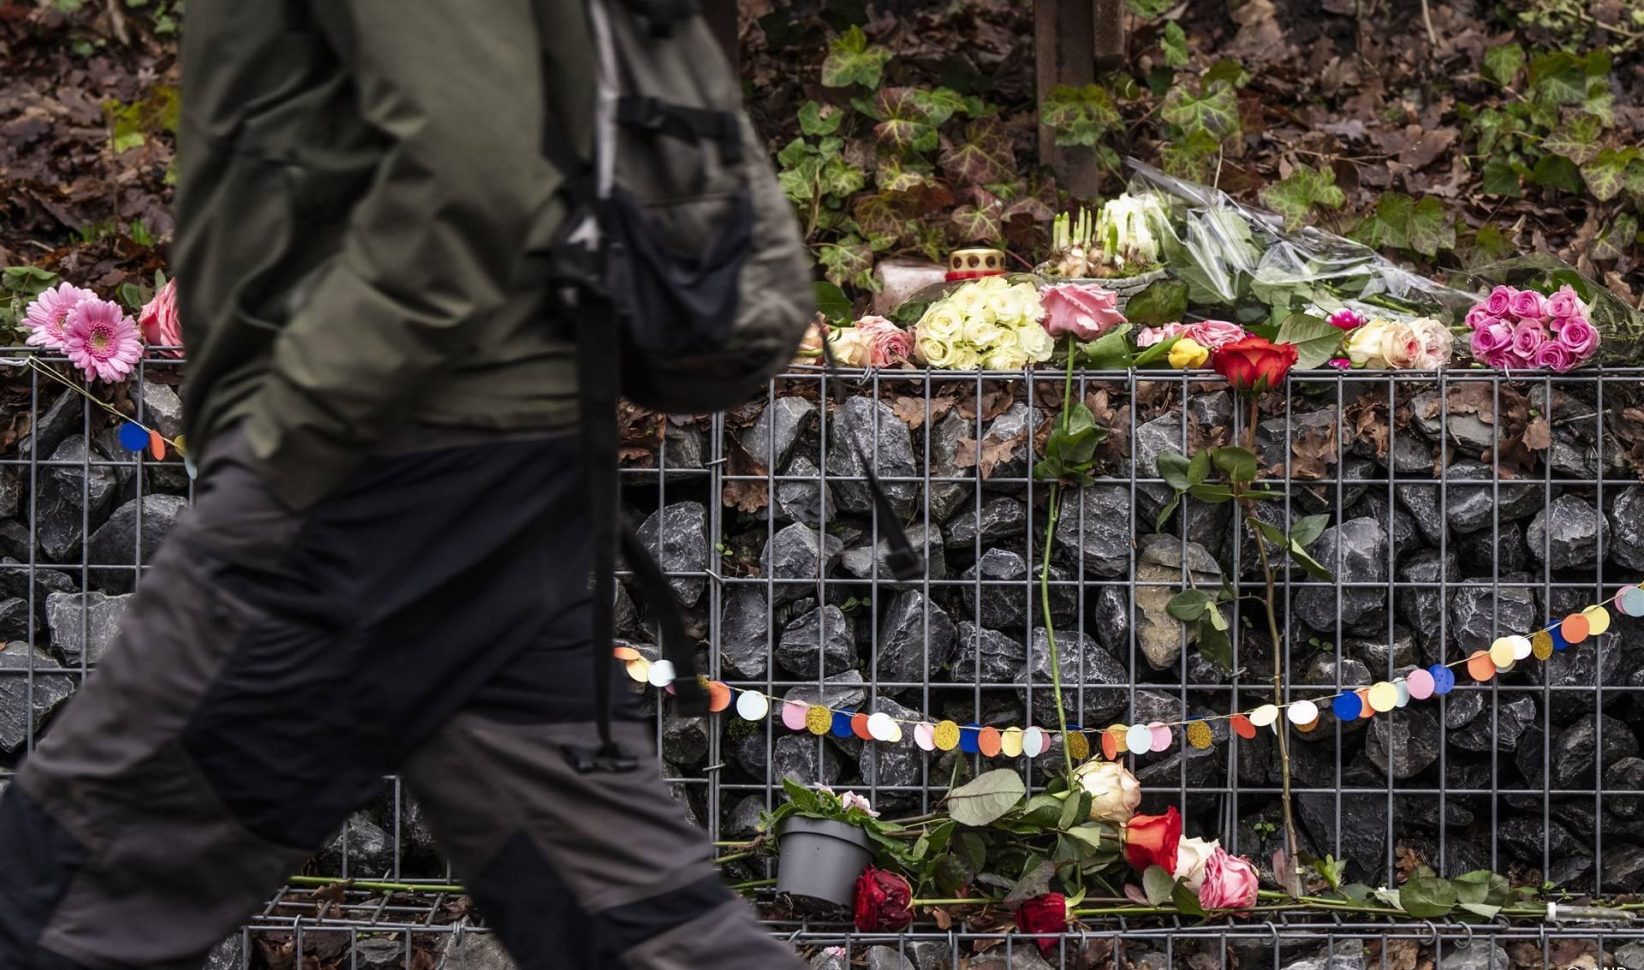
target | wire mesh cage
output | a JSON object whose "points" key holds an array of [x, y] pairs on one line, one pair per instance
{"points": [[1462, 506]]}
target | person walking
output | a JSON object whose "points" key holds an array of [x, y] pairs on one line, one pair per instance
{"points": [[386, 567]]}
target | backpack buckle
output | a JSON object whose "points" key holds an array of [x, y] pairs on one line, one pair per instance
{"points": [[905, 564]]}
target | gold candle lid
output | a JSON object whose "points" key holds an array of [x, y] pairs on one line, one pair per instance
{"points": [[975, 262]]}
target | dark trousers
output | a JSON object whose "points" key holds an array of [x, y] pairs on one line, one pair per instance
{"points": [[430, 618]]}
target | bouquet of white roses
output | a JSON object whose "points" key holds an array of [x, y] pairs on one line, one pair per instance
{"points": [[987, 323]]}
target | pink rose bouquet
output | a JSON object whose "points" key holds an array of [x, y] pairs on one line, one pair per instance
{"points": [[873, 342], [1513, 328], [1083, 310], [1212, 335], [1229, 882]]}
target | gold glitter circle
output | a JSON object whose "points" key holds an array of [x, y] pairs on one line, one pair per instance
{"points": [[1077, 745], [1541, 645], [946, 735], [1199, 735], [818, 719]]}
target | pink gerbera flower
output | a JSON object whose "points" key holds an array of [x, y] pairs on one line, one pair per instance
{"points": [[48, 314], [101, 339]]}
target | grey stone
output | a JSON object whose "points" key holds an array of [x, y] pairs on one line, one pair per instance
{"points": [[998, 591], [930, 954], [830, 958], [1407, 455], [677, 537], [745, 632], [682, 449], [1362, 832], [1522, 835], [796, 557], [22, 712], [1627, 528], [1159, 436], [1579, 667], [1212, 410], [1422, 502], [685, 740], [805, 759], [1346, 955], [62, 417], [369, 850], [1576, 748], [1355, 552], [1159, 572], [1084, 664], [1492, 552], [376, 953], [131, 534], [1474, 507], [744, 816], [926, 542], [1480, 612], [806, 499], [1274, 436], [1381, 654], [16, 620], [230, 954], [1480, 954], [38, 582], [1568, 534], [945, 442], [11, 493], [1016, 424], [624, 614], [1110, 613], [916, 637], [999, 518], [15, 542], [818, 640], [1403, 743], [1399, 524], [771, 439], [473, 951], [1024, 955], [1630, 956], [886, 958], [1094, 527], [84, 624], [1570, 458], [1625, 775], [74, 489], [891, 764], [838, 691], [162, 408], [867, 430], [1623, 869], [987, 656], [1512, 719]]}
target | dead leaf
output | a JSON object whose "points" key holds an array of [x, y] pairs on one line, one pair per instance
{"points": [[912, 408], [747, 482], [1538, 435], [994, 451]]}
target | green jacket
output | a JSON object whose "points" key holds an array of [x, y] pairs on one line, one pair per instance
{"points": [[361, 212]]}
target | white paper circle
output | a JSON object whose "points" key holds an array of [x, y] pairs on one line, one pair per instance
{"points": [[923, 737], [662, 673], [1033, 742], [881, 727], [1302, 712], [896, 733], [1404, 692], [1139, 739], [1521, 647], [752, 705], [1264, 715]]}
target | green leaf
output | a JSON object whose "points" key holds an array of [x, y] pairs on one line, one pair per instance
{"points": [[1431, 228], [940, 104], [1035, 882], [1214, 494], [1188, 605], [1070, 811], [1305, 560], [1172, 467], [1160, 303], [1315, 340], [852, 60], [1110, 351], [1606, 172], [832, 301], [1358, 892], [1199, 468], [1213, 614], [1484, 910], [1499, 178], [1238, 464], [1308, 528], [1303, 190], [1427, 897], [1215, 111], [1556, 171], [848, 263], [1228, 70], [986, 798], [1174, 45], [1165, 511], [1576, 139], [1187, 901], [819, 119], [1215, 646], [1617, 239], [1149, 9], [1080, 115], [1096, 836], [1503, 62], [1148, 356], [984, 156], [1557, 77], [1158, 884]]}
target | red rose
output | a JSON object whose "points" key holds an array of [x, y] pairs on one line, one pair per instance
{"points": [[1151, 840], [884, 901], [1254, 363], [1043, 914]]}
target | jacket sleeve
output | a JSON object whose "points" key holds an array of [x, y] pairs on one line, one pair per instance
{"points": [[435, 243]]}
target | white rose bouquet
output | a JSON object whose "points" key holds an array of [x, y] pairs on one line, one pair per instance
{"points": [[1381, 344], [987, 324]]}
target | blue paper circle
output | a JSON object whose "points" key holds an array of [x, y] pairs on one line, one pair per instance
{"points": [[188, 466], [1444, 679], [1559, 643], [1631, 601], [133, 437], [842, 724], [969, 734], [1347, 706]]}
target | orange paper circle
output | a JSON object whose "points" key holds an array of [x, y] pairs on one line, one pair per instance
{"points": [[1480, 666], [1242, 726], [1309, 726], [1575, 628], [719, 696], [1366, 712], [625, 654], [1110, 746], [859, 726], [987, 741]]}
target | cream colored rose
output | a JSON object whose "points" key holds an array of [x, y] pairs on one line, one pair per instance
{"points": [[1007, 357], [1037, 344], [970, 300], [965, 357], [1364, 345], [850, 347], [1400, 346], [982, 333], [1114, 792], [1437, 344], [943, 320], [991, 283], [1191, 857], [934, 350]]}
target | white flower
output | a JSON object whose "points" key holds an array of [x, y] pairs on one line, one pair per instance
{"points": [[1114, 792], [1128, 230], [1191, 856], [943, 321], [1009, 357], [991, 283], [1037, 344], [982, 333], [969, 300], [850, 348], [852, 800], [1364, 344], [1437, 344], [965, 357]]}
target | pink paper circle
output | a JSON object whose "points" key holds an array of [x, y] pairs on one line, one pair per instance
{"points": [[793, 715], [1420, 683], [923, 736], [1161, 737]]}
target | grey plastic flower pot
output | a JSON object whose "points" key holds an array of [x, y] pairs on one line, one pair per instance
{"points": [[821, 858]]}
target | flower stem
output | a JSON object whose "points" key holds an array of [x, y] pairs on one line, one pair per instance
{"points": [[1290, 879], [1044, 580], [374, 886]]}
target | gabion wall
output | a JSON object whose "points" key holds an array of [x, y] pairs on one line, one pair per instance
{"points": [[1461, 509]]}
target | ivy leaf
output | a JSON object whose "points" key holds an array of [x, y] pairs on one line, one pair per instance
{"points": [[848, 263], [986, 798], [1080, 115], [1616, 239], [1110, 351], [1300, 192], [1215, 111], [1238, 464], [1401, 222], [1557, 172], [819, 119], [1427, 897], [981, 220], [831, 301], [940, 104], [1606, 173], [1502, 63], [1576, 139], [852, 60], [1500, 178], [1174, 45], [984, 157], [1160, 303], [1431, 228], [1558, 77], [1158, 885], [1315, 340]]}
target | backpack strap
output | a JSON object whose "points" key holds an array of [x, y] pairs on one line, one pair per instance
{"points": [[904, 563], [661, 16], [688, 124]]}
